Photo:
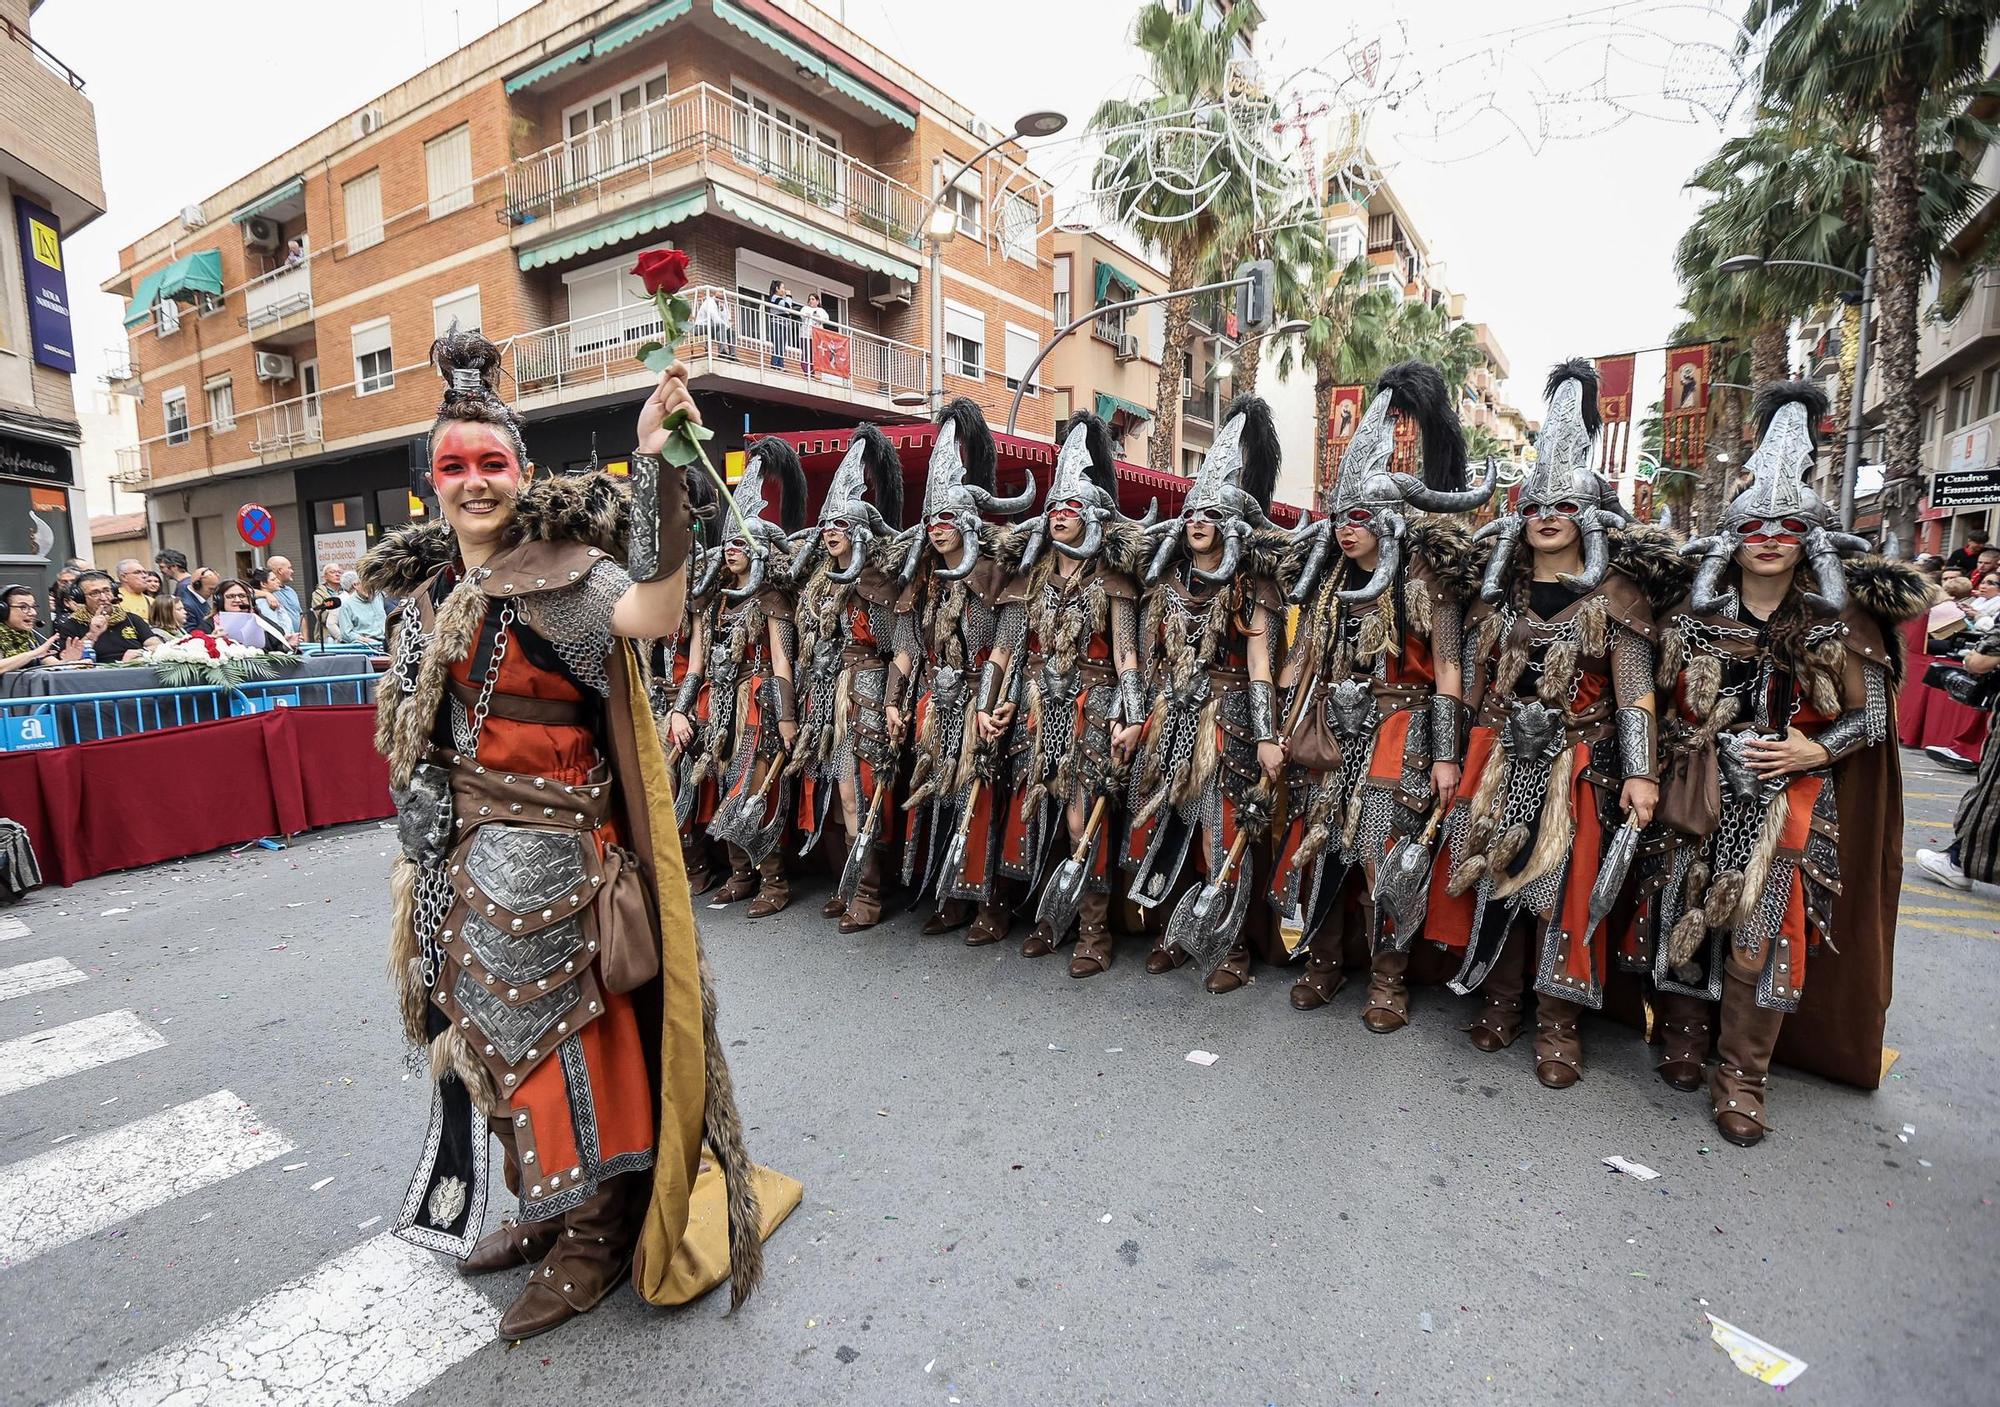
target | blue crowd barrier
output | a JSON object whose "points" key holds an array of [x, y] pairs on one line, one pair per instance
{"points": [[29, 724]]}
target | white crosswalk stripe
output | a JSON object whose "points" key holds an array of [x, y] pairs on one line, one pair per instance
{"points": [[80, 1188], [370, 1326], [31, 1060], [12, 928], [25, 979]]}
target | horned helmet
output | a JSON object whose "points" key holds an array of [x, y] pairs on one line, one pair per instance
{"points": [[1086, 483], [772, 462], [1232, 490], [959, 488], [1561, 484], [870, 466], [1779, 503]]}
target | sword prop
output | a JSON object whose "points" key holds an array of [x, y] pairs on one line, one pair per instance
{"points": [[1616, 864], [857, 856], [953, 861]]}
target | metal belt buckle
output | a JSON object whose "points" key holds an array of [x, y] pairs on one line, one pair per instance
{"points": [[946, 681], [1353, 705], [424, 814], [1534, 731]]}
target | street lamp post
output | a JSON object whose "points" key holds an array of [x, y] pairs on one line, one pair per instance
{"points": [[940, 225], [1743, 264]]}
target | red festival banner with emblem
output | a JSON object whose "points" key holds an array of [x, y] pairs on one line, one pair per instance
{"points": [[1343, 418], [1614, 404], [1684, 410], [832, 354]]}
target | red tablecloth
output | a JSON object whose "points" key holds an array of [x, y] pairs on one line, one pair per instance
{"points": [[1929, 717], [94, 807]]}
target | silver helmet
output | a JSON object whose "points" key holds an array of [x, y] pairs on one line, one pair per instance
{"points": [[959, 488], [1232, 490], [1086, 479], [1367, 493], [772, 463], [1562, 484], [871, 465], [1779, 503]]}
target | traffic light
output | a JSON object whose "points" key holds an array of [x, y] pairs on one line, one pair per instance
{"points": [[1253, 299]]}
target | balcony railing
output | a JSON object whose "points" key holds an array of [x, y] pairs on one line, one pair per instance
{"points": [[277, 296], [728, 328], [1200, 409], [286, 425], [704, 123], [117, 365]]}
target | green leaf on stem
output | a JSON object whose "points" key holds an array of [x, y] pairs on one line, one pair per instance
{"points": [[656, 357]]}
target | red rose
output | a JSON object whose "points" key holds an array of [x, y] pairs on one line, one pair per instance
{"points": [[662, 270]]}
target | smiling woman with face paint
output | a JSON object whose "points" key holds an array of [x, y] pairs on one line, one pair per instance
{"points": [[543, 943]]}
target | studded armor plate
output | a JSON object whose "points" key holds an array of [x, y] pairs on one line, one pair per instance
{"points": [[525, 867]]}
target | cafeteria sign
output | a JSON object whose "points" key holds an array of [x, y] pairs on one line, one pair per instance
{"points": [[48, 291]]}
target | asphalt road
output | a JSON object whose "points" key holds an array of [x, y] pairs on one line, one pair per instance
{"points": [[1018, 1190]]}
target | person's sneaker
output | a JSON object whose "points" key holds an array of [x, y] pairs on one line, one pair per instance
{"points": [[1945, 757], [1939, 867]]}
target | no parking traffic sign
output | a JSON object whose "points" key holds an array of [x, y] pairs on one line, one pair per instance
{"points": [[255, 525]]}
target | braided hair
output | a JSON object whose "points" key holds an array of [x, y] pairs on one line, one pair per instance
{"points": [[470, 366]]}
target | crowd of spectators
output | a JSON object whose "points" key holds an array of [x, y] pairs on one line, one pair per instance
{"points": [[108, 617]]}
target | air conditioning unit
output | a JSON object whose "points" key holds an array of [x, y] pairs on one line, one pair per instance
{"points": [[1128, 347], [368, 121], [274, 366], [260, 233], [887, 292], [192, 218]]}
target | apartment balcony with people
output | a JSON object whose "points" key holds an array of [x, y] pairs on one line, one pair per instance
{"points": [[699, 151]]}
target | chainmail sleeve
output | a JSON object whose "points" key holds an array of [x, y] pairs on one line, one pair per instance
{"points": [[1448, 633], [1864, 724], [1631, 666], [904, 640], [1011, 631], [576, 621]]}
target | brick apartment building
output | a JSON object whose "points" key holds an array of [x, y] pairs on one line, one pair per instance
{"points": [[51, 186], [279, 330]]}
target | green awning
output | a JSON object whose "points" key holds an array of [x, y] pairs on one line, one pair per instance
{"points": [[181, 280], [616, 37], [778, 223], [816, 65], [289, 190], [1107, 276], [1109, 405], [645, 220]]}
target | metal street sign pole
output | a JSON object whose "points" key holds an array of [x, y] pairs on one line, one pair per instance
{"points": [[1854, 397]]}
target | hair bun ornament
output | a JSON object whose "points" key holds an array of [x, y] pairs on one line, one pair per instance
{"points": [[468, 362]]}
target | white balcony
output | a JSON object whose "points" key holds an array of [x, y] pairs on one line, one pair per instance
{"points": [[286, 426], [279, 303]]}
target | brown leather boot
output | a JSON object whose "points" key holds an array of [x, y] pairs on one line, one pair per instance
{"points": [[589, 1258], [990, 927], [1318, 984], [1040, 942], [865, 909], [1558, 1042], [952, 913], [511, 1244], [834, 907], [702, 871], [1743, 1061], [742, 880], [1388, 1007], [1683, 1025], [1094, 939], [1165, 957], [1499, 1022], [1233, 973], [774, 890]]}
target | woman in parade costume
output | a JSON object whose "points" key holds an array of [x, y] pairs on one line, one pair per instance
{"points": [[846, 617], [739, 682], [1071, 613], [1212, 636], [1378, 647], [543, 947], [1559, 684], [1780, 669], [951, 574]]}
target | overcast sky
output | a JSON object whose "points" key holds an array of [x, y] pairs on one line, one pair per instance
{"points": [[1565, 250]]}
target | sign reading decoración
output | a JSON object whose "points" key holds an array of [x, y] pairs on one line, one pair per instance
{"points": [[1965, 488]]}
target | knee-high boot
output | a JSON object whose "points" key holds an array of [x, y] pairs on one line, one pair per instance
{"points": [[1388, 1007], [1684, 1027], [511, 1243], [742, 878], [864, 910], [774, 890], [1743, 1061], [1558, 1041], [1094, 940], [589, 1258], [1499, 1020]]}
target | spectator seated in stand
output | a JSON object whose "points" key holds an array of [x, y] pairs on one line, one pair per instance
{"points": [[169, 617], [1984, 603], [21, 645], [196, 591], [325, 601], [59, 602], [236, 619], [363, 616], [269, 606], [97, 619], [134, 587]]}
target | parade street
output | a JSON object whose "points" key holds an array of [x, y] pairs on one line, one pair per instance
{"points": [[1018, 1188]]}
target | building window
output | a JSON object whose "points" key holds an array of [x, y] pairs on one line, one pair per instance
{"points": [[965, 199], [964, 341], [1989, 392], [461, 307], [168, 322], [771, 137], [210, 303], [221, 405], [1062, 263], [448, 166], [616, 127], [174, 405], [373, 369], [1022, 344], [1958, 408], [1018, 219], [363, 196]]}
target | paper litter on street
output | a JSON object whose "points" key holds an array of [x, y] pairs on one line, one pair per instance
{"points": [[1202, 1057], [1765, 1362], [1619, 1163]]}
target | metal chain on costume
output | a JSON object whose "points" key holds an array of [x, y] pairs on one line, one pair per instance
{"points": [[1545, 635], [485, 700]]}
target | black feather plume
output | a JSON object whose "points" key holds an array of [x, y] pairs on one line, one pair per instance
{"points": [[1103, 467], [885, 472], [1417, 390], [975, 441], [1577, 369], [1773, 396], [1261, 454], [784, 474]]}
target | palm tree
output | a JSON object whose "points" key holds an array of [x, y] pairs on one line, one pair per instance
{"points": [[1345, 332], [1177, 170], [1882, 58]]}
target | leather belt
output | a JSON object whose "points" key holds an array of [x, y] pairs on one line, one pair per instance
{"points": [[522, 708]]}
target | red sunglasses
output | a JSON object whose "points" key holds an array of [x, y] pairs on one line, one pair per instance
{"points": [[1775, 530]]}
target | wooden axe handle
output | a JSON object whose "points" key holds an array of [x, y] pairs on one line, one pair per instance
{"points": [[1090, 828], [1235, 855]]}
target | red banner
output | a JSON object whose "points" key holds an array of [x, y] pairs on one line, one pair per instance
{"points": [[832, 354], [1343, 418], [1614, 404], [1684, 430]]}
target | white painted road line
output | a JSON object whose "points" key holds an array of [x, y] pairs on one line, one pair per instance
{"points": [[33, 1060], [80, 1188], [372, 1325], [28, 978], [12, 928]]}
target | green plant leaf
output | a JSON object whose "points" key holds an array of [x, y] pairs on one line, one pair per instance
{"points": [[679, 451], [656, 357]]}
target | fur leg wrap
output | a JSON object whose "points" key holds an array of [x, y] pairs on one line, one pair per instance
{"points": [[1720, 906], [451, 1054], [722, 1130], [406, 967], [1757, 873], [1686, 939]]}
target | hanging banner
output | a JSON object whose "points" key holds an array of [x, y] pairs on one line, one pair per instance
{"points": [[1404, 459], [49, 331], [1343, 417], [1614, 404], [832, 354], [1684, 420]]}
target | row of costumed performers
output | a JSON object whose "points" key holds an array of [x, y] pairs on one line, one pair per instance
{"points": [[1587, 765]]}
